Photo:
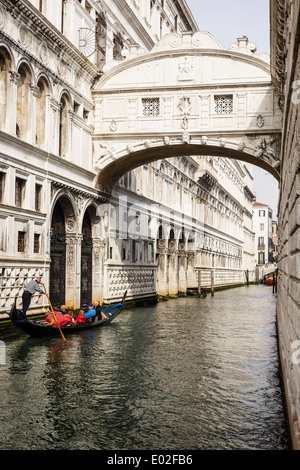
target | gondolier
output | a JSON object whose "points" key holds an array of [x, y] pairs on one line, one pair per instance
{"points": [[31, 288]]}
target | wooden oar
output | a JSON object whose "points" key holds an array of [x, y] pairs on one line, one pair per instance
{"points": [[45, 292]]}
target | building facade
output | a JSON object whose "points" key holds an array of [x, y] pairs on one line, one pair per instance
{"points": [[262, 225], [167, 226]]}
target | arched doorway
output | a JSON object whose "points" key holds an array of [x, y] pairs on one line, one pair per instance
{"points": [[58, 257], [86, 262]]}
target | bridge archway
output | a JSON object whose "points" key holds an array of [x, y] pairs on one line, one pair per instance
{"points": [[188, 96]]}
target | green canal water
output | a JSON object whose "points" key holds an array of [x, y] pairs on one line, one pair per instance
{"points": [[198, 374]]}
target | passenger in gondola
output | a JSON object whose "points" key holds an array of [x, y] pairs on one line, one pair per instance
{"points": [[63, 309], [56, 319], [81, 318], [91, 313], [70, 317], [97, 307]]}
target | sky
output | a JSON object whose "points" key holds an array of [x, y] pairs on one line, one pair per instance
{"points": [[226, 21]]}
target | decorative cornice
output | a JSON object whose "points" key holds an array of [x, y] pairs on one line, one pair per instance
{"points": [[43, 27]]}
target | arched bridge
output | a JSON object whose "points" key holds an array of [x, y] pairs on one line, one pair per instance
{"points": [[188, 96]]}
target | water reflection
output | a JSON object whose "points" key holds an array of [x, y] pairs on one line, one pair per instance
{"points": [[185, 374]]}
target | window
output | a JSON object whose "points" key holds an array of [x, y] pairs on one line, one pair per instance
{"points": [[261, 242], [76, 107], [224, 104], [261, 226], [21, 241], [150, 107], [2, 181], [261, 213], [85, 114], [38, 197], [36, 246], [20, 192]]}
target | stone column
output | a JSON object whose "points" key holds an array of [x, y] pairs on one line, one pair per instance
{"points": [[191, 273], [32, 126], [55, 106], [73, 244], [98, 268], [162, 284], [182, 271], [11, 104], [173, 270]]}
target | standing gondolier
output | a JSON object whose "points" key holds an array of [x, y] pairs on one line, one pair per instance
{"points": [[31, 288]]}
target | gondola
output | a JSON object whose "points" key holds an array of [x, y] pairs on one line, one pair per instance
{"points": [[39, 328]]}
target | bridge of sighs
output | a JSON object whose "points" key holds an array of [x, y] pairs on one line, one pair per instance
{"points": [[188, 96]]}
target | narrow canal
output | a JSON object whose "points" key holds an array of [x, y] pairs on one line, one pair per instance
{"points": [[185, 374]]}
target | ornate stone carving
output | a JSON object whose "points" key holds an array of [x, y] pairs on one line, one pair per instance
{"points": [[113, 126], [185, 138], [185, 69], [135, 281], [43, 52], [260, 120]]}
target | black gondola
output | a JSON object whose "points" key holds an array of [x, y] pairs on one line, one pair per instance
{"points": [[39, 328]]}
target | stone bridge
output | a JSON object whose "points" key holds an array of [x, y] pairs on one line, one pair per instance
{"points": [[188, 96]]}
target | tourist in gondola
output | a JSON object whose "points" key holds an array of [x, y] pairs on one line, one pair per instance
{"points": [[90, 313], [81, 318], [31, 288], [57, 319]]}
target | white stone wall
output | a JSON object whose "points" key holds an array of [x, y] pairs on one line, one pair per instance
{"points": [[286, 75]]}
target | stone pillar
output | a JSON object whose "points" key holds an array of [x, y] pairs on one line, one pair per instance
{"points": [[11, 105], [162, 266], [73, 244], [55, 107], [173, 270], [191, 272], [32, 125], [182, 271], [98, 269]]}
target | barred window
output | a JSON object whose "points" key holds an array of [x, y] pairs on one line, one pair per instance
{"points": [[36, 247], [150, 107], [224, 104], [21, 241]]}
